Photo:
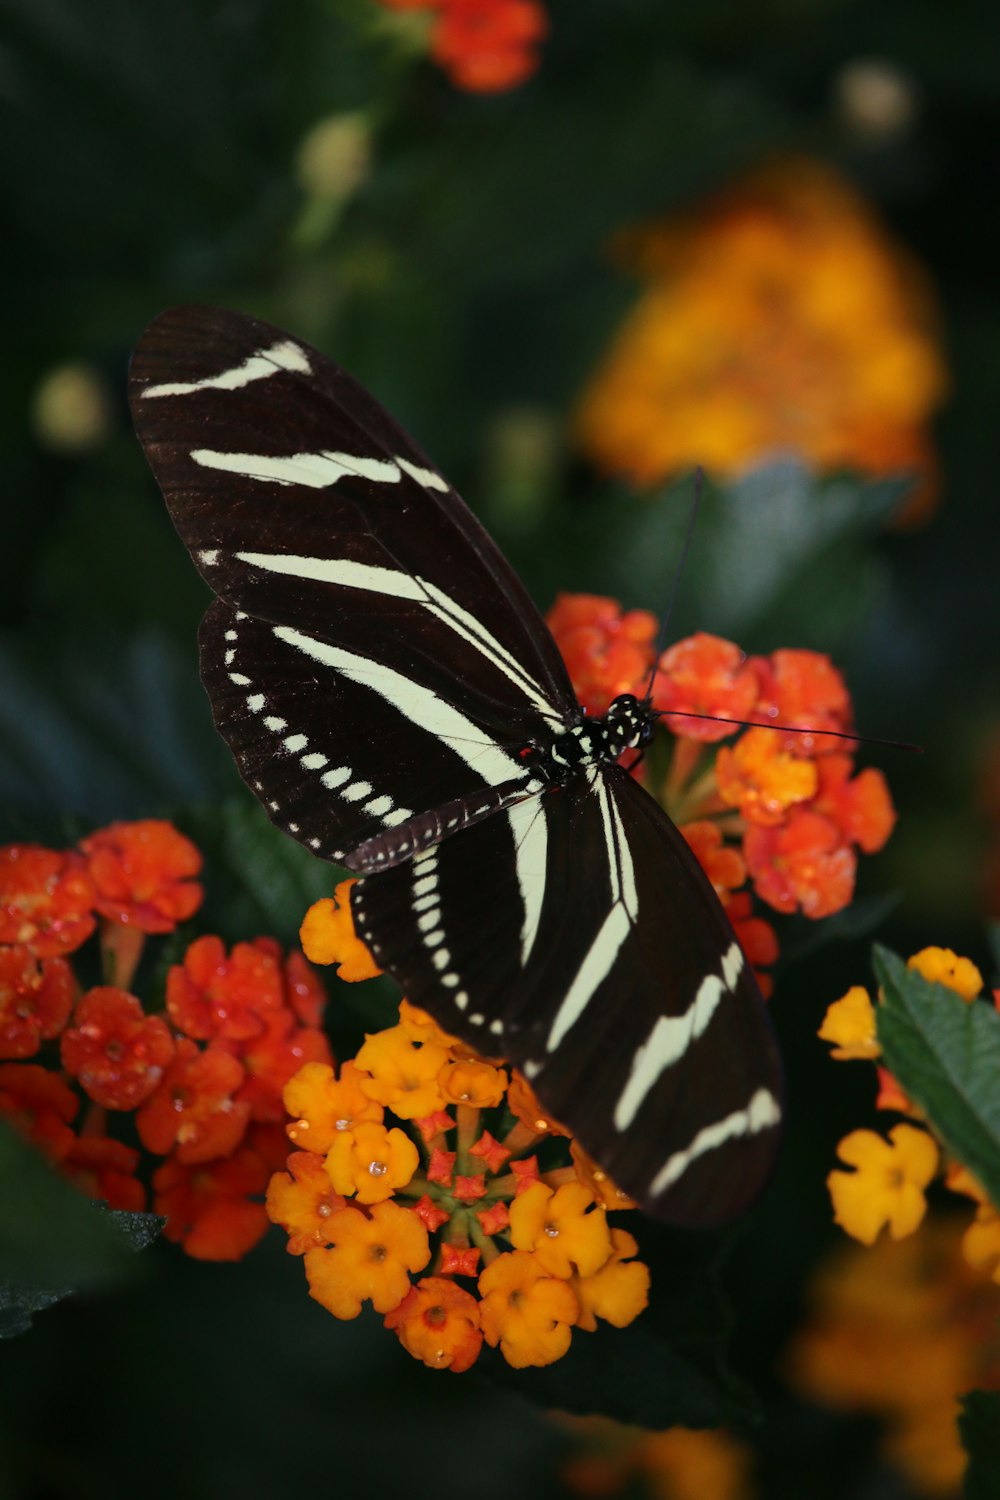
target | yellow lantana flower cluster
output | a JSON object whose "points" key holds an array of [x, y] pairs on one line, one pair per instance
{"points": [[415, 1185], [898, 1332], [778, 317], [887, 1187]]}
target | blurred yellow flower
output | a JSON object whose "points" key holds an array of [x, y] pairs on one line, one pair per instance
{"points": [[778, 317], [887, 1186], [850, 1024], [678, 1464], [901, 1331], [942, 966]]}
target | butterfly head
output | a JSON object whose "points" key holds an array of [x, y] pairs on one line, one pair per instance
{"points": [[630, 724]]}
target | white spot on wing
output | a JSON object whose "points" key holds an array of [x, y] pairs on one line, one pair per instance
{"points": [[761, 1113], [415, 702], [315, 471], [667, 1042], [591, 974], [333, 779], [732, 965], [427, 477], [284, 356]]}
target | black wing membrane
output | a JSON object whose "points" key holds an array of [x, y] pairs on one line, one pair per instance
{"points": [[367, 619], [613, 978]]}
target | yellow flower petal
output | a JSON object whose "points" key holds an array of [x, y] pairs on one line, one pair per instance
{"points": [[850, 1024], [327, 936], [367, 1260], [942, 966], [887, 1187]]}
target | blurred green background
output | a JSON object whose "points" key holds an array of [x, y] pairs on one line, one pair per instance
{"points": [[152, 154]]}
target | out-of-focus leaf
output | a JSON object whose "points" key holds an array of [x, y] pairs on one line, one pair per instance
{"points": [[105, 728], [945, 1054], [257, 878], [979, 1424], [781, 555], [544, 181], [801, 937], [53, 1240]]}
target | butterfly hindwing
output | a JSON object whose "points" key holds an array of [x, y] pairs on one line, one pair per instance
{"points": [[609, 973]]}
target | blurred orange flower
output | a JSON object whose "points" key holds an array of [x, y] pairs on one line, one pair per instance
{"points": [[777, 317]]}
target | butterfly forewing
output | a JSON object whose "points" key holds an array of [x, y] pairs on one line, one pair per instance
{"points": [[376, 667]]}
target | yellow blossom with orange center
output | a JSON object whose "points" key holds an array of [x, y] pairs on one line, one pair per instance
{"points": [[368, 1259], [527, 1312], [618, 1291], [322, 1105], [778, 317], [942, 966], [438, 1323], [302, 1201], [470, 1082], [850, 1024], [327, 936], [369, 1163], [403, 1072], [564, 1229], [761, 779], [887, 1186]]}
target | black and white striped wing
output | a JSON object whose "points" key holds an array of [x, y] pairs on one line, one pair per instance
{"points": [[372, 654], [375, 665], [578, 936]]}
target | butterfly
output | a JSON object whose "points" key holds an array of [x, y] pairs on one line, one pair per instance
{"points": [[393, 697]]}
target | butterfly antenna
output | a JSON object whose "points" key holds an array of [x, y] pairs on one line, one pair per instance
{"points": [[832, 734], [661, 639]]}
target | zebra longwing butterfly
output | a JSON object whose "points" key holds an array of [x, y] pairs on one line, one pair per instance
{"points": [[392, 695]]}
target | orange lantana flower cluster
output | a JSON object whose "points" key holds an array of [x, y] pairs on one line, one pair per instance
{"points": [[779, 808], [887, 1187], [417, 1186], [484, 46], [776, 318], [102, 1086]]}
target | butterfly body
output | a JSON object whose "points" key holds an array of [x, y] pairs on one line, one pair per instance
{"points": [[393, 697]]}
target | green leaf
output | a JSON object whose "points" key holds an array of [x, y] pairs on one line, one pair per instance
{"points": [[945, 1054], [53, 1240], [979, 1424]]}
